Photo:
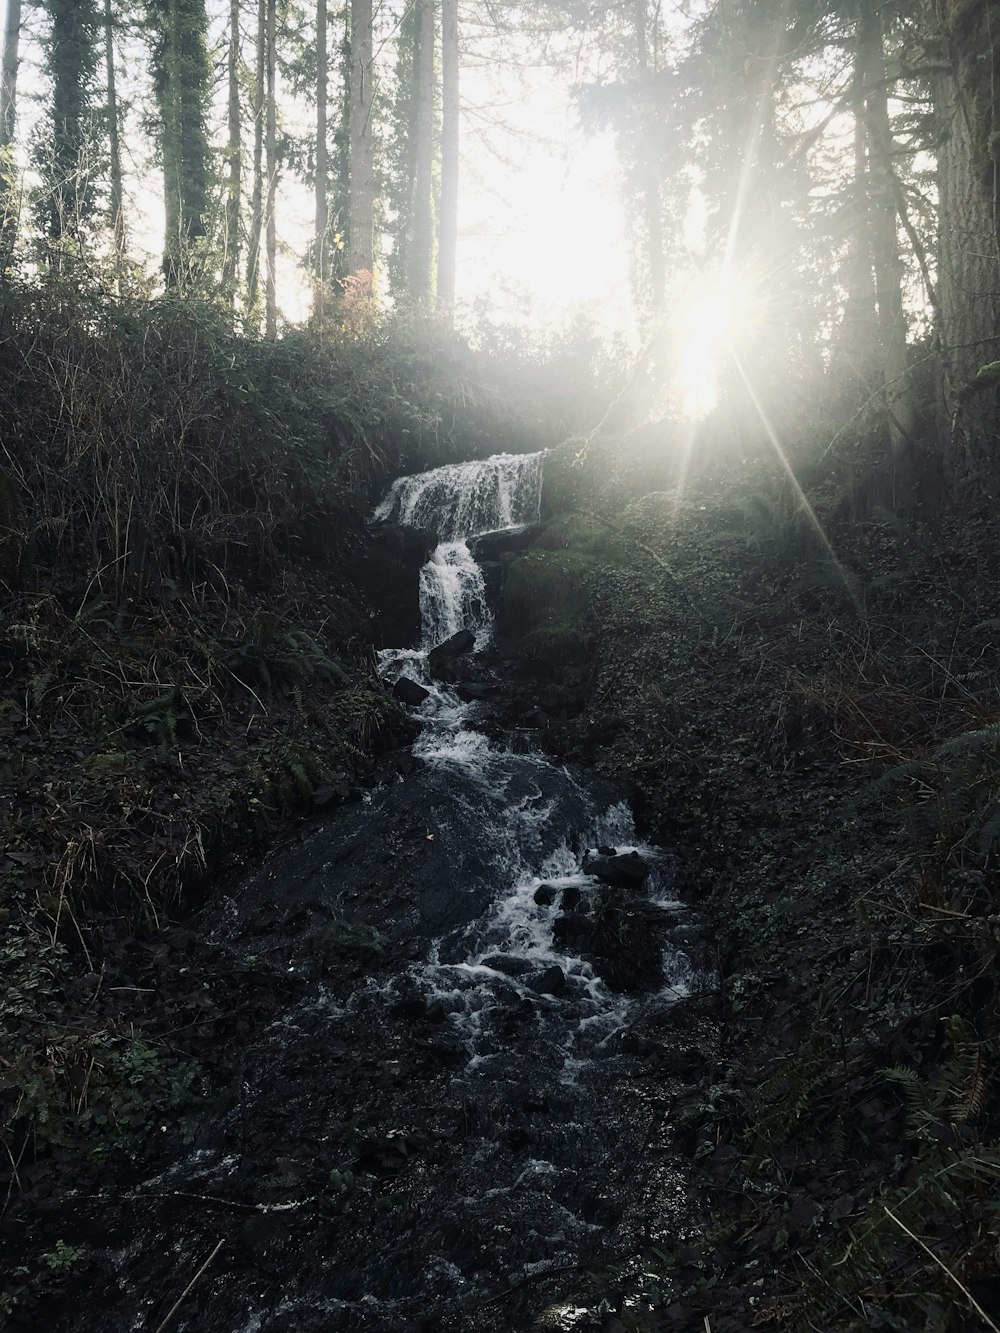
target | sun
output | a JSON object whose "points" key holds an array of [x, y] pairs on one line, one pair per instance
{"points": [[717, 311]]}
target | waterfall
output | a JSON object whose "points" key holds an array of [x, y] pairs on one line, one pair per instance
{"points": [[457, 502], [467, 499]]}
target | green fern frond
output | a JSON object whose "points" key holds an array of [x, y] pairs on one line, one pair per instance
{"points": [[990, 830], [969, 742], [881, 786]]}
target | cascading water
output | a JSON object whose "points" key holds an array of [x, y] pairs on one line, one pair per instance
{"points": [[438, 1126]]}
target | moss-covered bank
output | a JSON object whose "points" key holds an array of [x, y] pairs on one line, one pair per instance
{"points": [[814, 732]]}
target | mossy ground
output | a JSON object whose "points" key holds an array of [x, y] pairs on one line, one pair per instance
{"points": [[813, 731]]}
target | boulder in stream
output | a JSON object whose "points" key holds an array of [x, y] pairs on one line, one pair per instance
{"points": [[624, 870], [457, 646], [410, 692], [550, 982]]}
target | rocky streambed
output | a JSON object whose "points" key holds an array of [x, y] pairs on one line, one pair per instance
{"points": [[454, 1026]]}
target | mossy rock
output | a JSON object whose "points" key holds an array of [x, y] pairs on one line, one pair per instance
{"points": [[546, 588]]}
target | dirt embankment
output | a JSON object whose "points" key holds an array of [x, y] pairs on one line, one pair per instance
{"points": [[807, 714]]}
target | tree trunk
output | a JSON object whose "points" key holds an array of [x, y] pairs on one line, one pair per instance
{"points": [[234, 153], [257, 196], [322, 159], [117, 197], [271, 154], [361, 241], [9, 63], [422, 254], [448, 226], [183, 78], [885, 252], [968, 106], [856, 345], [649, 175]]}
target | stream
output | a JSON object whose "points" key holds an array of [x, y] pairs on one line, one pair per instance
{"points": [[444, 1116]]}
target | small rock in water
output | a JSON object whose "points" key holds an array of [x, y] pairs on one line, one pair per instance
{"points": [[626, 870], [571, 897], [551, 982], [572, 931], [545, 895], [477, 691], [508, 964], [607, 851], [462, 642], [410, 692]]}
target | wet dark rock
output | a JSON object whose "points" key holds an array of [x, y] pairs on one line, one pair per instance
{"points": [[572, 931], [410, 692], [545, 895], [627, 870], [572, 896], [388, 571], [608, 851], [477, 691], [457, 646], [435, 1012], [493, 545], [551, 982], [535, 717], [508, 964], [492, 571], [265, 1238]]}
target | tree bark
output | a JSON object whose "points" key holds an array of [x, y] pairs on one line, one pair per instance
{"points": [[183, 79], [448, 225], [9, 64], [886, 259], [968, 109], [856, 345], [117, 196], [361, 240], [234, 154], [322, 219], [422, 253], [257, 196], [271, 155], [649, 174]]}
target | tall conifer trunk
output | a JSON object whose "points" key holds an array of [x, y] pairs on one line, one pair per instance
{"points": [[234, 154], [361, 241], [257, 195], [271, 159], [649, 176], [322, 220], [422, 252], [968, 109], [9, 63], [448, 227], [182, 82], [886, 258], [116, 200]]}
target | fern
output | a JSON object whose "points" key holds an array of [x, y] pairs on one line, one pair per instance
{"points": [[990, 830], [970, 742], [881, 786], [964, 1076]]}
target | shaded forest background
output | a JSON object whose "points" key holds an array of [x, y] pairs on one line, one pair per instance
{"points": [[190, 445]]}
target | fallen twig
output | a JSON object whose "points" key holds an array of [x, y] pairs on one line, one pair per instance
{"points": [[180, 1299]]}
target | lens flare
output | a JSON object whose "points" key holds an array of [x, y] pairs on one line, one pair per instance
{"points": [[717, 311]]}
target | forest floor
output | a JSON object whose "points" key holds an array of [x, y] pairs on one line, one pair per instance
{"points": [[816, 737]]}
